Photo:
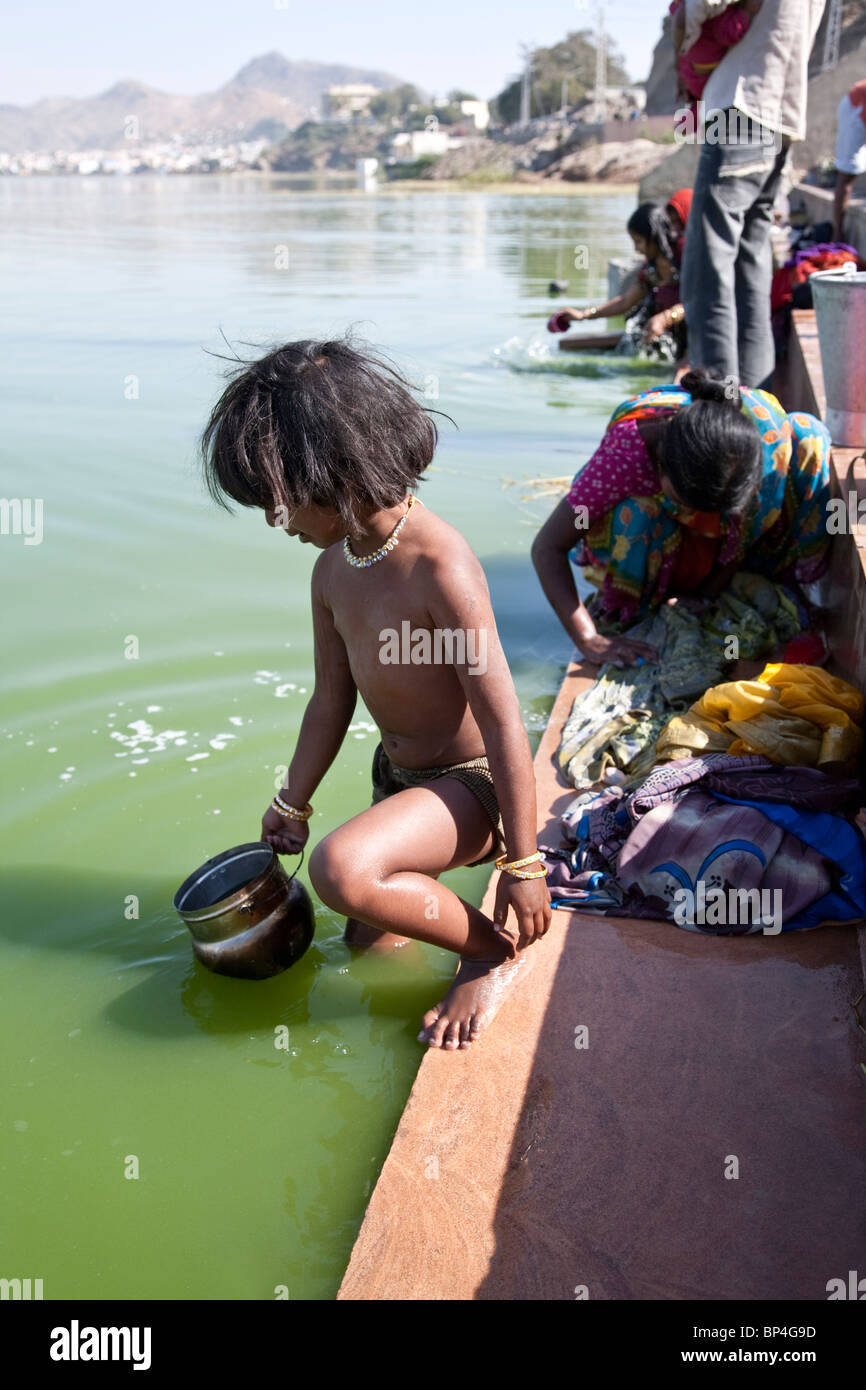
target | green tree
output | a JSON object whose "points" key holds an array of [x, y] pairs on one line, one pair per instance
{"points": [[323, 145], [571, 61], [394, 104]]}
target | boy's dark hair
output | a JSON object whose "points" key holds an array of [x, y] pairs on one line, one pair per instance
{"points": [[651, 221], [712, 451], [317, 424]]}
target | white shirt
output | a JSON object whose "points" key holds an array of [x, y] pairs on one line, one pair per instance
{"points": [[765, 75]]}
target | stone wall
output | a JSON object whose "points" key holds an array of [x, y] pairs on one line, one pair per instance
{"points": [[662, 82]]}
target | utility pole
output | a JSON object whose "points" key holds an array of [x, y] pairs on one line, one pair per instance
{"points": [[525, 91], [601, 65], [832, 35]]}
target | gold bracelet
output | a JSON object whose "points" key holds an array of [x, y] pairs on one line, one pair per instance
{"points": [[503, 863], [525, 873], [291, 812]]}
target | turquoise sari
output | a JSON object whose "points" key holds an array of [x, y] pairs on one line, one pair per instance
{"points": [[635, 550]]}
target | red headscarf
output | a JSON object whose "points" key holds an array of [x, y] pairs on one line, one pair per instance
{"points": [[681, 202]]}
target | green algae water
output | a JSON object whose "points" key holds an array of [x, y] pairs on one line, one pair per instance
{"points": [[166, 1133]]}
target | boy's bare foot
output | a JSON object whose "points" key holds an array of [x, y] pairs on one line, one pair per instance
{"points": [[368, 938], [471, 1003]]}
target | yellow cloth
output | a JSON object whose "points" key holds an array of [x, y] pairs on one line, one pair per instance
{"points": [[814, 694], [689, 734], [791, 715]]}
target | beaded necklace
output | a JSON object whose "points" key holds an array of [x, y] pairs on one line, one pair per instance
{"points": [[360, 562]]}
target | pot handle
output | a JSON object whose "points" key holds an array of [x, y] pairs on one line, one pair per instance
{"points": [[297, 866]]}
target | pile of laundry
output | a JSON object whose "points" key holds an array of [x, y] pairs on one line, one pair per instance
{"points": [[756, 834], [792, 288], [719, 844], [791, 281], [612, 730]]}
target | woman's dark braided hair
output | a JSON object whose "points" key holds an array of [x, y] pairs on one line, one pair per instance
{"points": [[711, 451]]}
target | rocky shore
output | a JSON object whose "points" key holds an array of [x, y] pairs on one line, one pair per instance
{"points": [[548, 158]]}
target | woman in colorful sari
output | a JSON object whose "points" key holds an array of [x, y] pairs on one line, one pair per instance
{"points": [[687, 486]]}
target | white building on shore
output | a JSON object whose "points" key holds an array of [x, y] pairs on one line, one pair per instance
{"points": [[478, 112], [342, 103]]}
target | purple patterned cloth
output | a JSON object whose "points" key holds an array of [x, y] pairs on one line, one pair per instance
{"points": [[675, 840], [670, 779], [806, 787], [698, 839], [607, 821], [808, 253]]}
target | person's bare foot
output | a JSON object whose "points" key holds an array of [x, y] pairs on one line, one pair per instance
{"points": [[367, 938], [479, 988]]}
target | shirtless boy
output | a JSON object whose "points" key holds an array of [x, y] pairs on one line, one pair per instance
{"points": [[328, 441]]}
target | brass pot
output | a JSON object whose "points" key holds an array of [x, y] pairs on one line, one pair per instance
{"points": [[247, 917]]}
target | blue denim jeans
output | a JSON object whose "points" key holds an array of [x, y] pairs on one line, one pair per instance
{"points": [[728, 263]]}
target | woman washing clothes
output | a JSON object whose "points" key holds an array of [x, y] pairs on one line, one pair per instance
{"points": [[655, 317], [686, 487]]}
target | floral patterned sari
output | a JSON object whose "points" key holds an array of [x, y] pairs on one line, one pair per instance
{"points": [[646, 547]]}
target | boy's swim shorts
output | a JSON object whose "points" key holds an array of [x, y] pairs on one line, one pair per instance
{"points": [[388, 779]]}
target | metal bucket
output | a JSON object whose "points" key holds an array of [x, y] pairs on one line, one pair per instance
{"points": [[246, 916], [839, 297]]}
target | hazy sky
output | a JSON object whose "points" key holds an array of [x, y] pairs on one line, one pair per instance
{"points": [[83, 47]]}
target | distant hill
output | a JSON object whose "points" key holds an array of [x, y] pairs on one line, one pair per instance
{"points": [[269, 96]]}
